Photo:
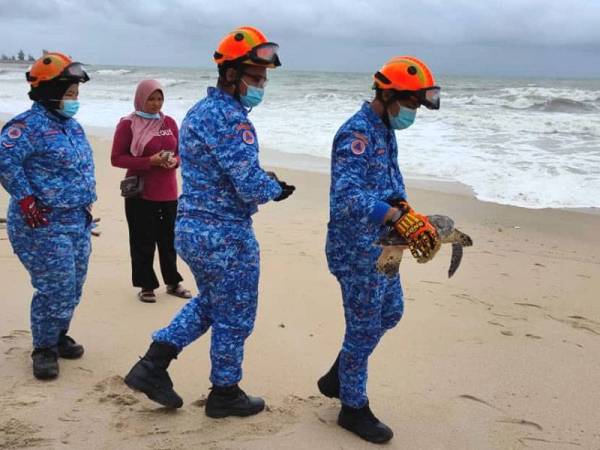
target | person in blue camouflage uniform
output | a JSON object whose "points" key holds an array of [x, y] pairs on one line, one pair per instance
{"points": [[46, 166], [367, 192], [223, 184]]}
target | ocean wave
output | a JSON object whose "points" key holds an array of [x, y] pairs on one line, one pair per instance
{"points": [[170, 82], [11, 75], [562, 105], [113, 72]]}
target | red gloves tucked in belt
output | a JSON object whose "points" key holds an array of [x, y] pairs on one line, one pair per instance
{"points": [[33, 212]]}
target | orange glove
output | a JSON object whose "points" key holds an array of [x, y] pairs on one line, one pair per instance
{"points": [[422, 237]]}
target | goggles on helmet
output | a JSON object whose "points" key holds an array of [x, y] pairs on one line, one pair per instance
{"points": [[428, 97], [74, 71], [263, 54]]}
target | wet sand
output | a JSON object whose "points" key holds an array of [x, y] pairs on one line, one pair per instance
{"points": [[504, 355]]}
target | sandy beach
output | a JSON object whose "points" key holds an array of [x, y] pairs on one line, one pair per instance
{"points": [[504, 355]]}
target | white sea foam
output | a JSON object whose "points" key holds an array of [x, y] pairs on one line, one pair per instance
{"points": [[531, 143], [112, 72]]}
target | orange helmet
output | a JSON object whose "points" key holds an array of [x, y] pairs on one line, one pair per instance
{"points": [[247, 45], [55, 66], [409, 75]]}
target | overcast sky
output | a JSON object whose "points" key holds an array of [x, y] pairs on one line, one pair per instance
{"points": [[555, 38]]}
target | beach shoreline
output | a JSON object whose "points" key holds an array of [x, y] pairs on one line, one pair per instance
{"points": [[488, 359], [314, 164]]}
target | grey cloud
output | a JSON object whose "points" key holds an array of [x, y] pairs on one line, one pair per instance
{"points": [[332, 34]]}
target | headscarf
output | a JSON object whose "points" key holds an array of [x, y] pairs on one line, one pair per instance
{"points": [[50, 93], [143, 130]]}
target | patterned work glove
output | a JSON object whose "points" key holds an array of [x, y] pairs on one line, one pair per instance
{"points": [[33, 212], [422, 237]]}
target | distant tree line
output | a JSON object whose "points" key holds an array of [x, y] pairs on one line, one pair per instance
{"points": [[19, 57]]}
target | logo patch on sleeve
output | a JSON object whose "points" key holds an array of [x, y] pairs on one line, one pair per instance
{"points": [[248, 137], [14, 132], [358, 147]]}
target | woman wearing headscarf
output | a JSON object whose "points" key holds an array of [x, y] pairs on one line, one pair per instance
{"points": [[145, 143]]}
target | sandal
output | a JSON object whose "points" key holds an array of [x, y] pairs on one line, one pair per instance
{"points": [[147, 296], [178, 291]]}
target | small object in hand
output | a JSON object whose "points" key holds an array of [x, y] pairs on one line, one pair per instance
{"points": [[167, 155], [286, 190], [34, 212]]}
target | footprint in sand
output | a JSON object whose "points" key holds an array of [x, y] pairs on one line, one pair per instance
{"points": [[114, 390], [16, 433], [26, 399], [15, 334]]}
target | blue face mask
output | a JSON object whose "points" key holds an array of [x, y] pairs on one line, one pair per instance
{"points": [[70, 108], [253, 97], [404, 119], [146, 115]]}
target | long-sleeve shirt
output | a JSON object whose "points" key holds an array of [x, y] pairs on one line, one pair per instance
{"points": [[222, 177], [364, 177], [160, 184], [49, 157]]}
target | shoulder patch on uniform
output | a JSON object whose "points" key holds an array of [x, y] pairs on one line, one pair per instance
{"points": [[358, 146], [15, 131], [248, 137], [7, 144]]}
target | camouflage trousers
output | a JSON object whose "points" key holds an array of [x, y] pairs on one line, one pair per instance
{"points": [[56, 258], [224, 258], [373, 304]]}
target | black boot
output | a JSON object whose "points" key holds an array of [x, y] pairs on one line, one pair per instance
{"points": [[363, 423], [45, 363], [232, 401], [149, 375], [68, 348], [329, 384]]}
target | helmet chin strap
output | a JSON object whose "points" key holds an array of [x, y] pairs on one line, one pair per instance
{"points": [[236, 82], [386, 104], [239, 70]]}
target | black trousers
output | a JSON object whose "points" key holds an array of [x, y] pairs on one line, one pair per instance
{"points": [[151, 225]]}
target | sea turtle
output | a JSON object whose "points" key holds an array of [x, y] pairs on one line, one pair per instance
{"points": [[393, 245]]}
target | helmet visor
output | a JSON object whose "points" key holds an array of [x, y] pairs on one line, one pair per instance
{"points": [[265, 54], [74, 72], [430, 97]]}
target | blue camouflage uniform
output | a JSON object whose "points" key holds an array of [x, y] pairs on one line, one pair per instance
{"points": [[49, 157], [364, 175], [223, 184]]}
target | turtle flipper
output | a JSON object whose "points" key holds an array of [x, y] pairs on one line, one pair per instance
{"points": [[388, 262], [455, 259]]}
